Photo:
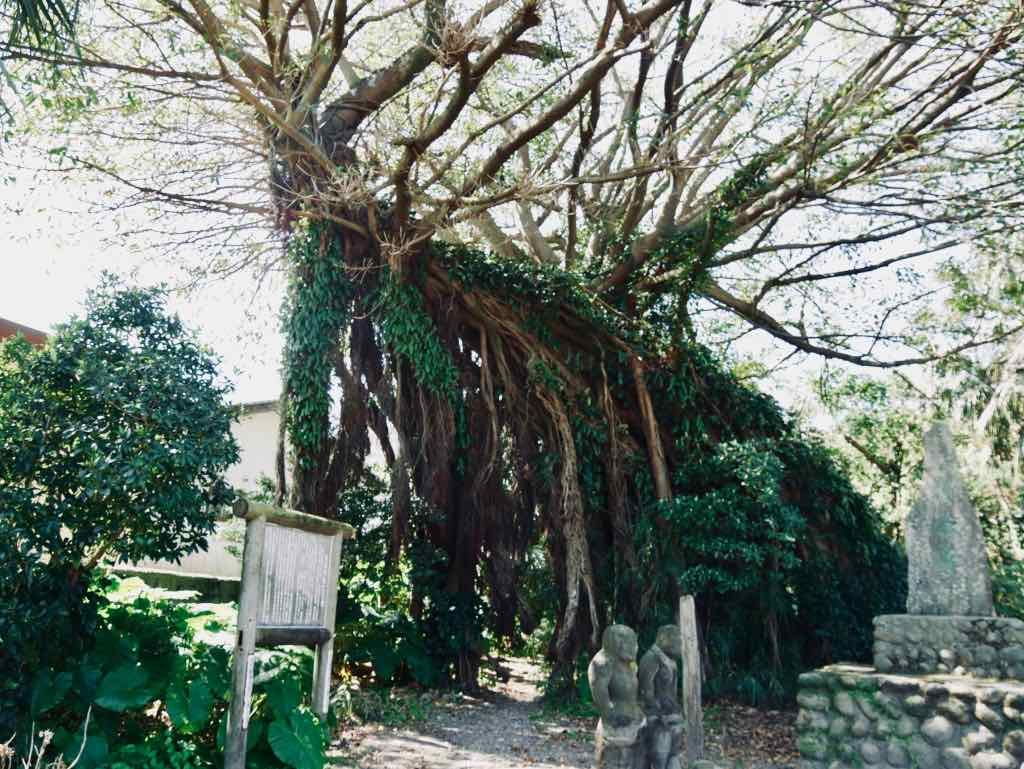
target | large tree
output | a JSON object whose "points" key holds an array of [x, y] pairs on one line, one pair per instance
{"points": [[506, 224]]}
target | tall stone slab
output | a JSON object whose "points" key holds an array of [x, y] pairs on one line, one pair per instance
{"points": [[948, 567]]}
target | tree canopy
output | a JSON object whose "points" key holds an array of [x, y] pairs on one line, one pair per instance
{"points": [[508, 226]]}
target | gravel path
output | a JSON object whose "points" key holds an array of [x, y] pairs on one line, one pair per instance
{"points": [[505, 728], [501, 729]]}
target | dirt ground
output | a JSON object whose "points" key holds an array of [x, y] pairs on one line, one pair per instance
{"points": [[505, 728]]}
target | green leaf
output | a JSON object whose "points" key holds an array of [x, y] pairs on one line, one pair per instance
{"points": [[215, 669], [299, 741], [177, 704], [124, 688], [48, 690], [93, 755], [284, 694], [189, 702]]}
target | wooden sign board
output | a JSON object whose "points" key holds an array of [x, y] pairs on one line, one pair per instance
{"points": [[288, 596]]}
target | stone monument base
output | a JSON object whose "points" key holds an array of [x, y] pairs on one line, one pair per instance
{"points": [[856, 717], [986, 647]]}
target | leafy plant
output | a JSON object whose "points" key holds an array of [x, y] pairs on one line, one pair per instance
{"points": [[159, 698], [114, 436], [375, 627]]}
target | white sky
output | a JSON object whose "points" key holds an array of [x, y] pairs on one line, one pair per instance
{"points": [[47, 266]]}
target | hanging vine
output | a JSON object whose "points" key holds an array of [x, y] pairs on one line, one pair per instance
{"points": [[517, 405]]}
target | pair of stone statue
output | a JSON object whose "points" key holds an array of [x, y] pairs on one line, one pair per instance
{"points": [[641, 724]]}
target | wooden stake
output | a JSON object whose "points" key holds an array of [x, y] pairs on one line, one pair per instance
{"points": [[691, 680]]}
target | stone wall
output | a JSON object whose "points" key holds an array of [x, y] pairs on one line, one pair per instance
{"points": [[853, 716], [985, 647]]}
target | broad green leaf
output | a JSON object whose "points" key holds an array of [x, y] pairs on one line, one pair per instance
{"points": [[284, 693], [177, 704], [93, 755], [48, 690], [124, 688], [189, 705], [299, 741], [87, 679], [215, 669]]}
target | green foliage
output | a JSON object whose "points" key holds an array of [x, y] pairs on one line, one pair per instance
{"points": [[788, 561], [881, 437], [116, 430], [46, 614], [880, 424], [115, 434], [378, 630], [410, 334], [297, 739], [374, 628], [159, 698], [544, 288], [746, 527], [579, 703], [1008, 588], [763, 526], [693, 246], [40, 23], [740, 530], [389, 706], [315, 312], [159, 751]]}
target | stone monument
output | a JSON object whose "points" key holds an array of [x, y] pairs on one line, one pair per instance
{"points": [[946, 688], [619, 739], [948, 572], [658, 692]]}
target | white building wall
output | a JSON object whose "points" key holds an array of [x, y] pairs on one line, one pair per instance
{"points": [[256, 434]]}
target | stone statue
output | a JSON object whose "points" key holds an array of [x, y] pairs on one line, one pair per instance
{"points": [[613, 682], [658, 692]]}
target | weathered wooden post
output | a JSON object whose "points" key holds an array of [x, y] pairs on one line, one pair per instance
{"points": [[691, 680], [288, 596]]}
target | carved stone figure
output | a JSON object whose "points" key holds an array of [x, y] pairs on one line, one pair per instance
{"points": [[613, 682], [658, 690]]}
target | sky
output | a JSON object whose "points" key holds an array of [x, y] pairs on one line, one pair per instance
{"points": [[48, 262]]}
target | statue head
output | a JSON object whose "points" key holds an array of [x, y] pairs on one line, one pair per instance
{"points": [[669, 640], [619, 641]]}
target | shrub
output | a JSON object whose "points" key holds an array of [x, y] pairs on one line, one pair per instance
{"points": [[158, 698], [114, 435], [377, 633]]}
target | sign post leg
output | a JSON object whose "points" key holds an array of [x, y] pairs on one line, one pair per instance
{"points": [[325, 651], [322, 677], [245, 646]]}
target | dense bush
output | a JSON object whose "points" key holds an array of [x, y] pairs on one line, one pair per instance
{"points": [[113, 437], [157, 698], [387, 607], [788, 561]]}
